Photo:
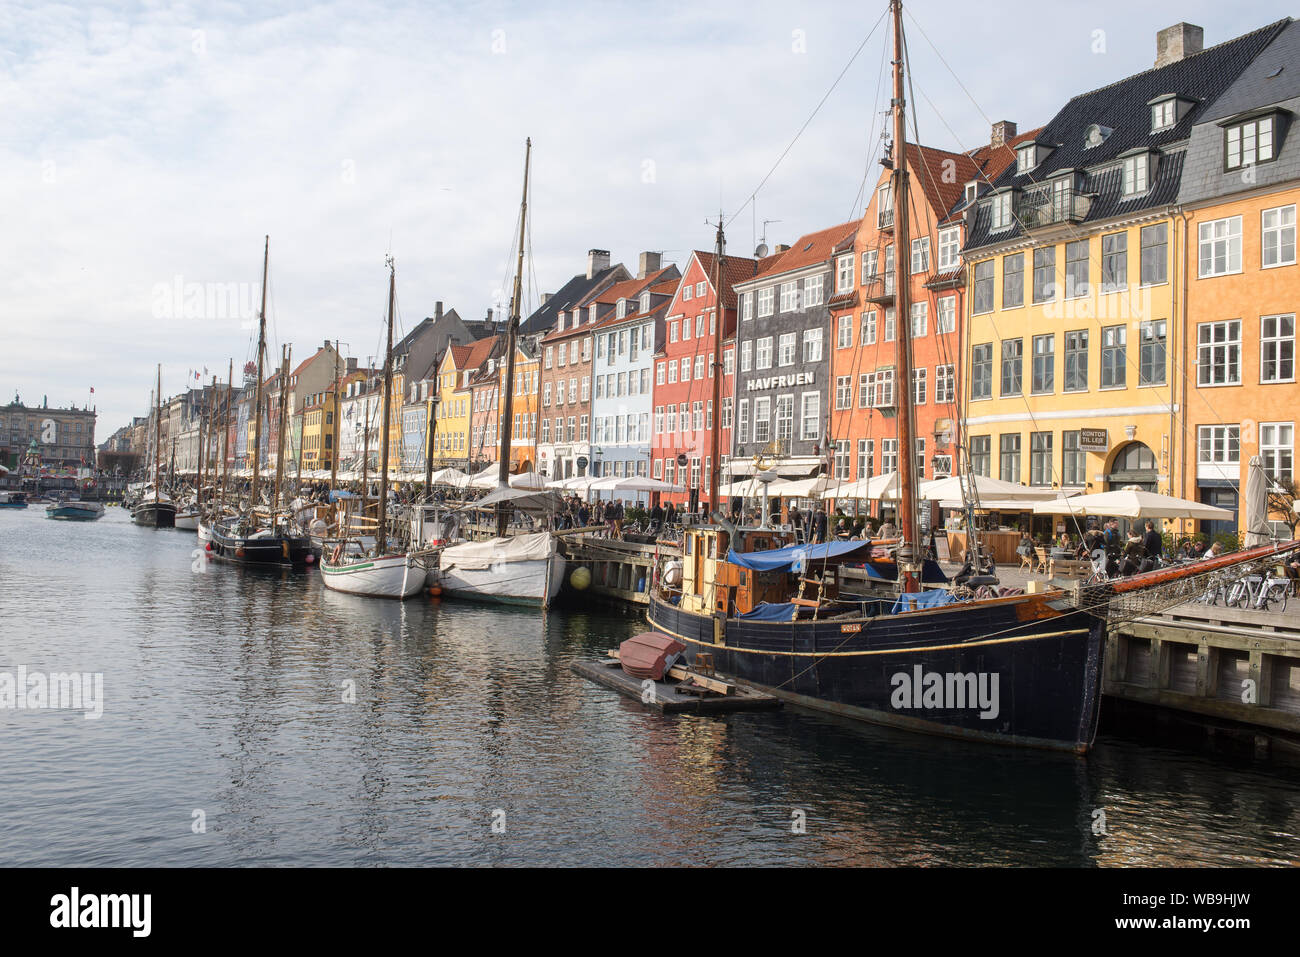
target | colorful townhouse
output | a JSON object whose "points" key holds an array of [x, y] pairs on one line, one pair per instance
{"points": [[1239, 192], [451, 431], [625, 345], [1074, 283], [783, 340], [866, 334], [681, 444]]}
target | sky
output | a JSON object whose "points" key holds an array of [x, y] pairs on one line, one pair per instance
{"points": [[149, 148]]}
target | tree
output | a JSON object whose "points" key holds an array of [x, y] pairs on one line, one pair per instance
{"points": [[1282, 498]]}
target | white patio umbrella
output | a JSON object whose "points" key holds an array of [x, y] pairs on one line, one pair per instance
{"points": [[575, 483], [634, 483], [957, 487], [1130, 503], [527, 480], [745, 488], [819, 486], [485, 477], [453, 477], [878, 487]]}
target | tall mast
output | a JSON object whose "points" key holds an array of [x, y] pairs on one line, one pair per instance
{"points": [[157, 438], [225, 438], [365, 447], [903, 318], [198, 475], [285, 353], [720, 312], [381, 533], [512, 330], [334, 452], [257, 389]]}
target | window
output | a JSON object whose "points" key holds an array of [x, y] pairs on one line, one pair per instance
{"points": [[546, 430], [659, 419], [868, 337], [1218, 353], [1278, 242], [1277, 448], [1220, 246], [1152, 344], [950, 248], [686, 328], [1026, 158], [729, 362], [844, 331], [659, 469], [1013, 281], [699, 289], [742, 421], [764, 353], [981, 455], [843, 392], [888, 456], [699, 367], [885, 388], [920, 458], [1012, 358], [1000, 212], [747, 307], [659, 373], [866, 457], [919, 385], [1009, 457], [1076, 269], [1219, 444], [1076, 361], [1044, 368], [586, 389], [784, 418], [697, 416], [1164, 115], [726, 411], [1114, 262], [869, 266], [812, 345], [746, 355], [765, 298], [945, 384], [844, 273], [1073, 461], [789, 343], [866, 390], [889, 270], [983, 294], [884, 207], [686, 368], [1040, 458], [981, 372], [763, 419], [946, 320], [1155, 254], [789, 296], [920, 319], [672, 331], [921, 255], [1114, 355], [811, 418], [582, 429], [546, 395], [1044, 274], [1248, 143], [812, 291], [1135, 173], [1277, 348], [687, 291], [672, 373], [547, 356]]}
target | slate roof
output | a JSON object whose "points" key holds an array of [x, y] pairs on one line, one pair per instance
{"points": [[572, 292], [1124, 108], [1255, 88], [808, 250]]}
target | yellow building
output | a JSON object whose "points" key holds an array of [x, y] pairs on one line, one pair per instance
{"points": [[318, 430], [1074, 342], [451, 431]]}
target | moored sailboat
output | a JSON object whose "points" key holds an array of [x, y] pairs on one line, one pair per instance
{"points": [[155, 509]]}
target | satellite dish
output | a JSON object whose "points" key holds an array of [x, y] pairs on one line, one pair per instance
{"points": [[761, 251]]}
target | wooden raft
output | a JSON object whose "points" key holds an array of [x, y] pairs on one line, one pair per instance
{"points": [[681, 690]]}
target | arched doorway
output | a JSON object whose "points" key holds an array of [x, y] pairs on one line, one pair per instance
{"points": [[1134, 464]]}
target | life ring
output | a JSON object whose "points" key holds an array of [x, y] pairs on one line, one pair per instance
{"points": [[337, 554]]}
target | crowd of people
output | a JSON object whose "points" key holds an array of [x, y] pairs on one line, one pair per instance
{"points": [[1140, 550]]}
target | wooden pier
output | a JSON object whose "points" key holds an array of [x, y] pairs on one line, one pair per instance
{"points": [[669, 696], [618, 567]]}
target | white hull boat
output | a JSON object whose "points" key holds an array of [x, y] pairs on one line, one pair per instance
{"points": [[187, 518], [517, 570], [388, 576]]}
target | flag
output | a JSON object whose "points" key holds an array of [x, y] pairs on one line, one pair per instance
{"points": [[92, 390]]}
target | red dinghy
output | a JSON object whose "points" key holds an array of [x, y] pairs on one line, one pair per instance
{"points": [[649, 655]]}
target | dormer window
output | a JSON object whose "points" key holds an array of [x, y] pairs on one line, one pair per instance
{"points": [[1026, 158], [645, 302], [1096, 135], [1253, 141], [621, 310], [560, 321], [1164, 114], [1000, 211], [591, 313], [972, 191], [1137, 172]]}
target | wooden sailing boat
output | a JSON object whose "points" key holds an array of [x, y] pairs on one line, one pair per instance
{"points": [[509, 569], [1022, 669], [379, 572], [258, 537], [217, 507], [155, 509]]}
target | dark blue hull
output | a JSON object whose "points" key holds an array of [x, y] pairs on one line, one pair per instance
{"points": [[976, 671], [228, 545]]}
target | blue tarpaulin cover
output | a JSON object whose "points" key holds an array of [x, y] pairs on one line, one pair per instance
{"points": [[930, 598], [771, 611], [784, 559], [931, 573]]}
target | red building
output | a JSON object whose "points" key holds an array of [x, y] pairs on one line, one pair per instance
{"points": [[683, 376]]}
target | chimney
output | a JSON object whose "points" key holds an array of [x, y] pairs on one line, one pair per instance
{"points": [[546, 297], [1179, 41], [352, 364], [597, 261], [491, 327], [1003, 132], [437, 311], [781, 248], [649, 263]]}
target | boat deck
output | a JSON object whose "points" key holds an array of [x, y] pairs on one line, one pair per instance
{"points": [[668, 696]]}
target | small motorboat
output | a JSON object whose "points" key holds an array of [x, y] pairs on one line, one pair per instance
{"points": [[13, 499], [75, 511]]}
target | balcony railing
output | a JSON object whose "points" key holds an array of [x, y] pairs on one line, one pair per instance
{"points": [[885, 219], [1050, 204]]}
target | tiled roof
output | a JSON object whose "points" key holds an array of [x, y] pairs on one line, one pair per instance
{"points": [[480, 351], [735, 269], [809, 249], [458, 356], [1124, 108]]}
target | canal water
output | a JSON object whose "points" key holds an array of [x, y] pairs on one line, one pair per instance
{"points": [[255, 718]]}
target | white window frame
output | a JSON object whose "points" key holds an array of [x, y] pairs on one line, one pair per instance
{"points": [[1273, 236], [1216, 233], [811, 415], [1212, 352], [1282, 345], [950, 247]]}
